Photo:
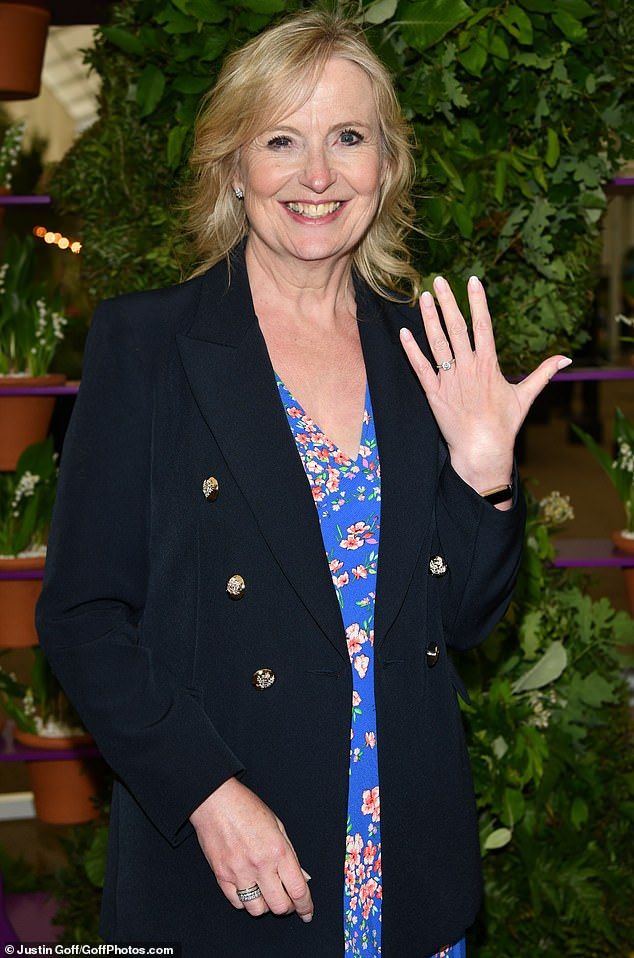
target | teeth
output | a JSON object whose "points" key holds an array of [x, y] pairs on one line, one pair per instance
{"points": [[313, 210]]}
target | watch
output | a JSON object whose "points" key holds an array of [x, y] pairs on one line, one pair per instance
{"points": [[499, 494]]}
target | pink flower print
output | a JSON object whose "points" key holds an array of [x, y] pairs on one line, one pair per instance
{"points": [[368, 889], [322, 454], [341, 580], [341, 459], [335, 565], [369, 853], [358, 528], [302, 438], [364, 451], [313, 466], [318, 493], [366, 417], [370, 739], [360, 572], [372, 803], [351, 542], [355, 637], [371, 637], [332, 484], [378, 870], [356, 699], [361, 664], [294, 412], [354, 847]]}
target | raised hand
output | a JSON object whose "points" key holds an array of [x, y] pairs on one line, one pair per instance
{"points": [[477, 410], [246, 845]]}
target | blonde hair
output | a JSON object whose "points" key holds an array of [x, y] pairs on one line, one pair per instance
{"points": [[259, 85]]}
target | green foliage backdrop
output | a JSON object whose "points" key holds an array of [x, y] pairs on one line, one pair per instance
{"points": [[522, 112]]}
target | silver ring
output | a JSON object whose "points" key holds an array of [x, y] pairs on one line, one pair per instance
{"points": [[448, 363], [248, 894]]}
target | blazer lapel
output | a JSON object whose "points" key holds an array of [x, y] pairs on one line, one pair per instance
{"points": [[230, 374], [407, 439]]}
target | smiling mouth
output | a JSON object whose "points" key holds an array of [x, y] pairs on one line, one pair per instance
{"points": [[313, 210]]}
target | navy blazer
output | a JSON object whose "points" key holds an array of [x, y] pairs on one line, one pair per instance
{"points": [[137, 622]]}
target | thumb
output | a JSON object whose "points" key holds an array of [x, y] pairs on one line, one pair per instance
{"points": [[532, 385]]}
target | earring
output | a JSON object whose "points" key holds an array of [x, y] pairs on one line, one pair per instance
{"points": [[239, 193]]}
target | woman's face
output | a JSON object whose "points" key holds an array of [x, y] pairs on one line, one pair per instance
{"points": [[312, 182]]}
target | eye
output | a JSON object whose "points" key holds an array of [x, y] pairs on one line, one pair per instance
{"points": [[350, 137], [279, 142]]}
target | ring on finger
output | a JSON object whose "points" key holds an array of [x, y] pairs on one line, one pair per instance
{"points": [[248, 894], [447, 364]]}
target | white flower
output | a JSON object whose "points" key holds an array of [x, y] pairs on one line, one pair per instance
{"points": [[25, 488], [556, 509]]}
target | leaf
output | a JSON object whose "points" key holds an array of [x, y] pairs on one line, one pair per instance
{"points": [[127, 42], [571, 28], [473, 58], [150, 89], [95, 858], [552, 149], [545, 671], [175, 141], [595, 690], [428, 21], [498, 839], [380, 11], [265, 6], [501, 166], [518, 24], [462, 219], [576, 8], [188, 83], [578, 812], [208, 11]]}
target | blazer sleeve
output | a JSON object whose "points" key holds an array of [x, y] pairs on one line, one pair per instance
{"points": [[483, 546], [151, 731]]}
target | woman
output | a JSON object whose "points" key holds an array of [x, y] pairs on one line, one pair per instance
{"points": [[224, 527]]}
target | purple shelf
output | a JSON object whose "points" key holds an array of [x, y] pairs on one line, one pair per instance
{"points": [[12, 751], [590, 553], [35, 200], [39, 390], [596, 373], [22, 574]]}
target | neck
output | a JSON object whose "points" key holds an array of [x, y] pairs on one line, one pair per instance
{"points": [[322, 292]]}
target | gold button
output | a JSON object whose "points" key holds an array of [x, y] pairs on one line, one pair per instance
{"points": [[438, 565], [236, 586], [263, 678], [210, 488]]}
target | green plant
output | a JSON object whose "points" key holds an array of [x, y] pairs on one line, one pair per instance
{"points": [[620, 470], [26, 500], [521, 112], [40, 707], [550, 736], [10, 151], [31, 319]]}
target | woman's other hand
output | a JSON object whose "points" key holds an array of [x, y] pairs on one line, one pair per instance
{"points": [[477, 410], [245, 844]]}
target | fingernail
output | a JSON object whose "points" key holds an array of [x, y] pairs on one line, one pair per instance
{"points": [[563, 363], [307, 918], [474, 283], [427, 299], [405, 334], [441, 283]]}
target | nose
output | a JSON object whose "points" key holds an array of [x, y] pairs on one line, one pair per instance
{"points": [[317, 172]]}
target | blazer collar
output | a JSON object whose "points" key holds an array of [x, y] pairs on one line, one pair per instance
{"points": [[230, 374]]}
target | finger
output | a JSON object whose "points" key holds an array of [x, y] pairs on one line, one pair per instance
{"points": [[296, 886], [274, 893], [436, 336], [229, 890], [530, 387], [454, 320], [483, 338], [255, 907], [419, 362]]}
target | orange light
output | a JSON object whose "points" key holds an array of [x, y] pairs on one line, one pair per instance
{"points": [[75, 247], [64, 242], [49, 237], [39, 231]]}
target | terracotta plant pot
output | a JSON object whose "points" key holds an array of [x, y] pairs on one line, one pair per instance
{"points": [[626, 545], [63, 789], [17, 603], [24, 419], [23, 32]]}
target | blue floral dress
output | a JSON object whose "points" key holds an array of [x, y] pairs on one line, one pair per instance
{"points": [[347, 494]]}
